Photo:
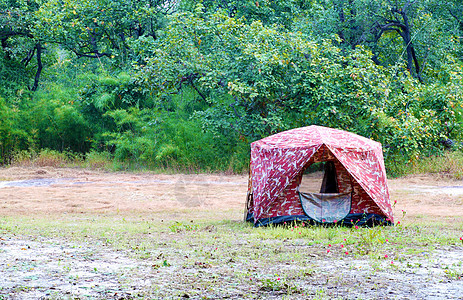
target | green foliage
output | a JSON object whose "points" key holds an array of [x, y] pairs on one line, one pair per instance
{"points": [[56, 121], [12, 77], [187, 85], [178, 227], [16, 22], [282, 12], [103, 94], [98, 160], [106, 92], [12, 137], [163, 140], [260, 80], [100, 28]]}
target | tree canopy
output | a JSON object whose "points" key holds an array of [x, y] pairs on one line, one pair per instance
{"points": [[137, 72]]}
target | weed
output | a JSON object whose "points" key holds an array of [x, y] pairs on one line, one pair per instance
{"points": [[370, 239], [240, 254], [23, 288], [440, 165], [320, 295], [453, 274], [273, 284], [46, 158], [98, 160], [179, 227]]}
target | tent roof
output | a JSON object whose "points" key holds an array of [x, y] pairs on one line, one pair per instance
{"points": [[277, 159], [318, 135]]}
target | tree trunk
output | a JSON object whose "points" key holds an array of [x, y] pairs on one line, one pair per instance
{"points": [[38, 46], [412, 61]]}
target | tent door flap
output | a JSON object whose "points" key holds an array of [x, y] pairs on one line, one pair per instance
{"points": [[326, 207]]}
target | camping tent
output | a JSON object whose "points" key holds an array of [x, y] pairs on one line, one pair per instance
{"points": [[354, 189]]}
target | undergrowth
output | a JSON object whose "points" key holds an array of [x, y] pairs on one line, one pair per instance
{"points": [[46, 158], [450, 164]]}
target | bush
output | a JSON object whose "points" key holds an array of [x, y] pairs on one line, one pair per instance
{"points": [[56, 122], [13, 138], [98, 160], [155, 139], [449, 164]]}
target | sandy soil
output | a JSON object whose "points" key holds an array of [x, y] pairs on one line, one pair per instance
{"points": [[50, 191], [42, 268]]}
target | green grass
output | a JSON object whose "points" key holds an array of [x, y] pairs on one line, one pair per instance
{"points": [[121, 232], [271, 260]]}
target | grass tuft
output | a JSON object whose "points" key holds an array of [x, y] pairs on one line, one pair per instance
{"points": [[449, 165], [46, 158], [98, 161]]}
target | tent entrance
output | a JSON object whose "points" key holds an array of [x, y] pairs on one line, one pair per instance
{"points": [[313, 183], [329, 205], [329, 183]]}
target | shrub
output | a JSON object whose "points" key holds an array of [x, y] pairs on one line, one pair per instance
{"points": [[156, 139], [13, 137], [55, 119]]}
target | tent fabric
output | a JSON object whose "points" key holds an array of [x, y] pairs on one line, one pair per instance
{"points": [[278, 161], [349, 220]]}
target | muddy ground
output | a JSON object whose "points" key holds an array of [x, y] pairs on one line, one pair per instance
{"points": [[36, 267]]}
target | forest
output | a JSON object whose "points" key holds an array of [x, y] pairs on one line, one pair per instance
{"points": [[188, 85]]}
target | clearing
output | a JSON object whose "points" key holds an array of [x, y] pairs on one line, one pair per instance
{"points": [[78, 234]]}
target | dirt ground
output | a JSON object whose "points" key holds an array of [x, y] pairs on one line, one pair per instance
{"points": [[55, 191], [44, 268], [49, 190]]}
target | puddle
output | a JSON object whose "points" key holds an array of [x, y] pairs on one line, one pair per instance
{"points": [[450, 190], [39, 182], [51, 181], [28, 183]]}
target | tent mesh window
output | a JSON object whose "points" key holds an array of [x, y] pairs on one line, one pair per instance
{"points": [[329, 205], [324, 207]]}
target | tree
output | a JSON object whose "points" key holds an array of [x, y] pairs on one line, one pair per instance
{"points": [[396, 18], [99, 28], [423, 32], [276, 12], [90, 28], [17, 38], [260, 80]]}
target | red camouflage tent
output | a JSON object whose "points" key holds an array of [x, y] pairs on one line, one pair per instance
{"points": [[278, 163]]}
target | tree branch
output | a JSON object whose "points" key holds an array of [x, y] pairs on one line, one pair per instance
{"points": [[417, 65], [190, 79], [29, 56], [455, 16], [392, 24]]}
